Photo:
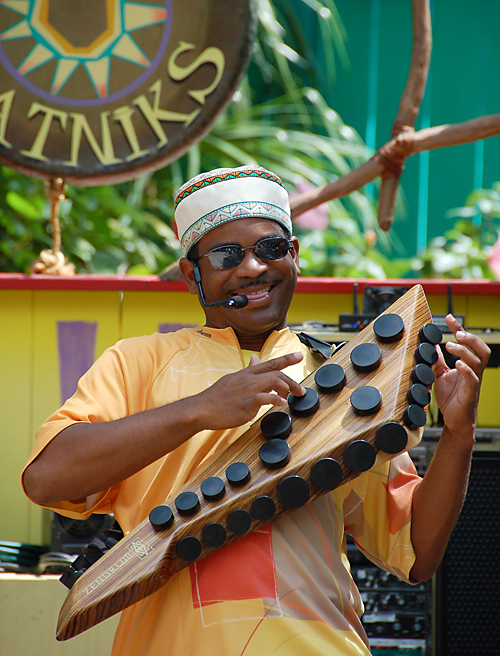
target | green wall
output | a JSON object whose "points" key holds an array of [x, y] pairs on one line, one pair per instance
{"points": [[463, 84]]}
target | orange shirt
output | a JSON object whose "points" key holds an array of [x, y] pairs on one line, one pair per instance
{"points": [[284, 589]]}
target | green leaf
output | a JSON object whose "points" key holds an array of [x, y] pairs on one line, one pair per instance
{"points": [[22, 206]]}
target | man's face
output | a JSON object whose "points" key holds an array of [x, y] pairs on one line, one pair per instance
{"points": [[269, 285]]}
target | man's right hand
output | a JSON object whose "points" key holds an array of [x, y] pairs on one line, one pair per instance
{"points": [[236, 398], [86, 458]]}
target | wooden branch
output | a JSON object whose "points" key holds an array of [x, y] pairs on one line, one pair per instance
{"points": [[409, 105], [397, 150], [341, 187], [443, 136], [413, 94]]}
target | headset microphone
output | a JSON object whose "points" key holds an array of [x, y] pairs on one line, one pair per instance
{"points": [[237, 302]]}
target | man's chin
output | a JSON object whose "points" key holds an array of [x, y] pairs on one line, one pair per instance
{"points": [[260, 321]]}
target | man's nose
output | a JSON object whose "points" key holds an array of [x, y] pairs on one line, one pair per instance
{"points": [[251, 265]]}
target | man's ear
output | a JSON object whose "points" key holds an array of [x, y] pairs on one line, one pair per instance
{"points": [[295, 253], [186, 269]]}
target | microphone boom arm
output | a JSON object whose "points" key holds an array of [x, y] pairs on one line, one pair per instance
{"points": [[237, 302]]}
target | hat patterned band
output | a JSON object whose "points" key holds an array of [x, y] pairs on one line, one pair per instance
{"points": [[225, 174], [241, 210]]}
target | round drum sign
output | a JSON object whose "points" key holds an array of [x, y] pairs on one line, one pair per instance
{"points": [[100, 91]]}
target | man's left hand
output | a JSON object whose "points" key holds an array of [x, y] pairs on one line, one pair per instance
{"points": [[457, 390]]}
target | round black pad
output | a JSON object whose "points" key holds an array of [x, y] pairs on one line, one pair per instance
{"points": [[263, 508], [430, 333], [239, 521], [359, 455], [326, 474], [213, 534], [276, 424], [293, 491], [423, 374], [187, 503], [426, 354], [389, 327], [161, 518], [212, 488], [275, 453], [392, 437], [366, 400], [414, 417], [366, 357], [330, 378], [304, 405], [189, 548], [418, 394], [238, 473]]}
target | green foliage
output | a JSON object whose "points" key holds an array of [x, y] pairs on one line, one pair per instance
{"points": [[343, 250], [277, 119], [22, 221], [104, 229], [463, 251]]}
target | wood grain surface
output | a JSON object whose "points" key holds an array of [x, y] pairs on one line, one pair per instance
{"points": [[146, 558]]}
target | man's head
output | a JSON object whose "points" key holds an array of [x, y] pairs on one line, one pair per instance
{"points": [[235, 226], [214, 198]]}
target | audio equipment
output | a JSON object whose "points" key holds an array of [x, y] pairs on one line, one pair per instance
{"points": [[71, 536], [467, 591], [397, 616]]}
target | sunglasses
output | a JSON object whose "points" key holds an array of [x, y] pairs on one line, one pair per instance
{"points": [[231, 255]]}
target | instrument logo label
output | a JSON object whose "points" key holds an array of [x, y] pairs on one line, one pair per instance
{"points": [[138, 548]]}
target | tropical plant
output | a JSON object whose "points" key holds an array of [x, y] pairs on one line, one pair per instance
{"points": [[278, 119], [470, 248]]}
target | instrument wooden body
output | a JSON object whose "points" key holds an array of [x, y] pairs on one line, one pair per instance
{"points": [[143, 561]]}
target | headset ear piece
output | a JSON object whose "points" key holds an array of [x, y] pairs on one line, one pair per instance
{"points": [[196, 273]]}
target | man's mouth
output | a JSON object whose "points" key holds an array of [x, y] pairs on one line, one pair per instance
{"points": [[255, 294]]}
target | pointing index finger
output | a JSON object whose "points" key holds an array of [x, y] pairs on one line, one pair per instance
{"points": [[282, 362], [279, 363]]}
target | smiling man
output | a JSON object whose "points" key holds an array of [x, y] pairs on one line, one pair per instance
{"points": [[153, 410], [258, 201]]}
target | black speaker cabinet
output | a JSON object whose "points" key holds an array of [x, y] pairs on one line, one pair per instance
{"points": [[72, 536], [467, 585]]}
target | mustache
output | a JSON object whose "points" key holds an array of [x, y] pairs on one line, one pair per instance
{"points": [[257, 282]]}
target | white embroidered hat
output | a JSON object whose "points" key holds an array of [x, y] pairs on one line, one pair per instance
{"points": [[222, 195]]}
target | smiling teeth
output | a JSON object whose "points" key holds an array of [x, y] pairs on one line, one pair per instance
{"points": [[261, 291]]}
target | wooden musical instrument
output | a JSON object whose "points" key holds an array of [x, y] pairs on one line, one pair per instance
{"points": [[365, 404]]}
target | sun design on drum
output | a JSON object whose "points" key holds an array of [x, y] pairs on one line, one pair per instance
{"points": [[115, 43]]}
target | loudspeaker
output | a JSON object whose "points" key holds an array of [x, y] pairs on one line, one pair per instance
{"points": [[72, 536], [377, 299], [467, 584]]}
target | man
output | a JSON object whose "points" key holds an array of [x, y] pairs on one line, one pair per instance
{"points": [[154, 409]]}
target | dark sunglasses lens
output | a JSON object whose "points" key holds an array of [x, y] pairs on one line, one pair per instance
{"points": [[227, 257], [271, 249]]}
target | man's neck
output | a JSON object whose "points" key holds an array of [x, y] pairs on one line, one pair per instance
{"points": [[253, 343]]}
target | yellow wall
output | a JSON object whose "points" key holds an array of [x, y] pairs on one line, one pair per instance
{"points": [[30, 383], [29, 607], [30, 386]]}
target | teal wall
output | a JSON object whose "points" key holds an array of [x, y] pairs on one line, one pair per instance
{"points": [[463, 84]]}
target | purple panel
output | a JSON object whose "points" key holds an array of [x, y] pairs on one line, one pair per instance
{"points": [[76, 342], [173, 327]]}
